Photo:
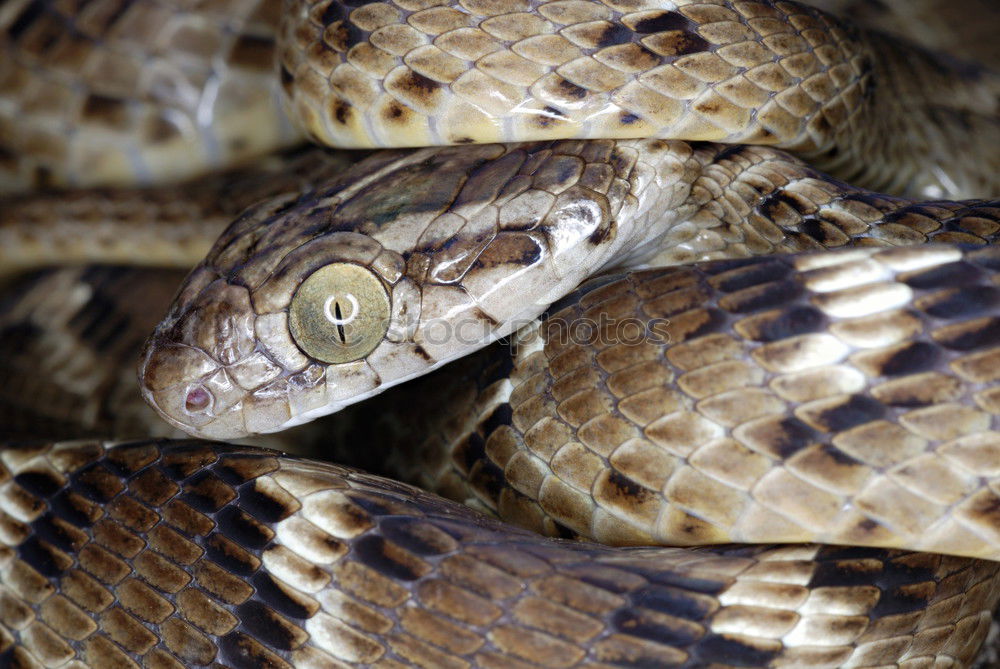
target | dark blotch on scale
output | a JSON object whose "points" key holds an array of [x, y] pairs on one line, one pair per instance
{"points": [[790, 436], [30, 14], [655, 627], [672, 601], [663, 22], [857, 410], [917, 357], [375, 552], [242, 528], [716, 649], [263, 623], [276, 597]]}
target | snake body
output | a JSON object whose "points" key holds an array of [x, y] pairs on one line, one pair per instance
{"points": [[846, 397]]}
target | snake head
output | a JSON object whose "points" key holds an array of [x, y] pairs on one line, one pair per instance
{"points": [[408, 260], [232, 360]]}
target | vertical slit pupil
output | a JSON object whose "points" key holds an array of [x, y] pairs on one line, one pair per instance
{"points": [[340, 325]]}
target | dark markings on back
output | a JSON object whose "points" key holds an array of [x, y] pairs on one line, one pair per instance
{"points": [[857, 410], [487, 478], [502, 415], [847, 572], [341, 111], [343, 34], [571, 90], [614, 33], [654, 627], [96, 483], [71, 509], [404, 532], [372, 504], [682, 44], [664, 21], [626, 487], [262, 506], [231, 558], [373, 551], [672, 601], [916, 357], [39, 483], [824, 232], [30, 14], [241, 528], [719, 650], [953, 274], [266, 625], [797, 320], [471, 450], [988, 258], [716, 267], [418, 85], [549, 116], [334, 12], [40, 556], [899, 601], [240, 651], [47, 529], [205, 492], [968, 302], [772, 203], [276, 597], [791, 435], [838, 456], [731, 150], [760, 272], [974, 335], [767, 296]]}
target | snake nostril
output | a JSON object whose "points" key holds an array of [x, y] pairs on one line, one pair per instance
{"points": [[197, 400]]}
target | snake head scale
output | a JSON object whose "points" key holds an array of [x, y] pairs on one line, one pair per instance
{"points": [[247, 344]]}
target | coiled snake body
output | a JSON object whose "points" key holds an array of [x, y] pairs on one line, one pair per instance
{"points": [[765, 391]]}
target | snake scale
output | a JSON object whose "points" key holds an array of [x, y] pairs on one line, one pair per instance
{"points": [[748, 358]]}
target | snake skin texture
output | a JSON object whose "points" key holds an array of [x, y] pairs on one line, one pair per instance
{"points": [[68, 343], [500, 233], [861, 106], [185, 553], [841, 396], [114, 92], [757, 384], [173, 225]]}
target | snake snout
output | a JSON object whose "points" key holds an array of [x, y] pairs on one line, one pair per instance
{"points": [[191, 366]]}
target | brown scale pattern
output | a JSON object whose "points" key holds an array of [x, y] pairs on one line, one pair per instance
{"points": [[116, 91], [408, 73], [68, 342], [493, 215], [844, 399], [174, 554], [174, 224]]}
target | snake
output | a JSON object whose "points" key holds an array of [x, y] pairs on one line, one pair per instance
{"points": [[714, 341]]}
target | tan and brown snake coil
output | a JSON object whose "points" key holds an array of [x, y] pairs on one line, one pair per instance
{"points": [[771, 393]]}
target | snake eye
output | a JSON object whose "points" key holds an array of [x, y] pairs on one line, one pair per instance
{"points": [[340, 313]]}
